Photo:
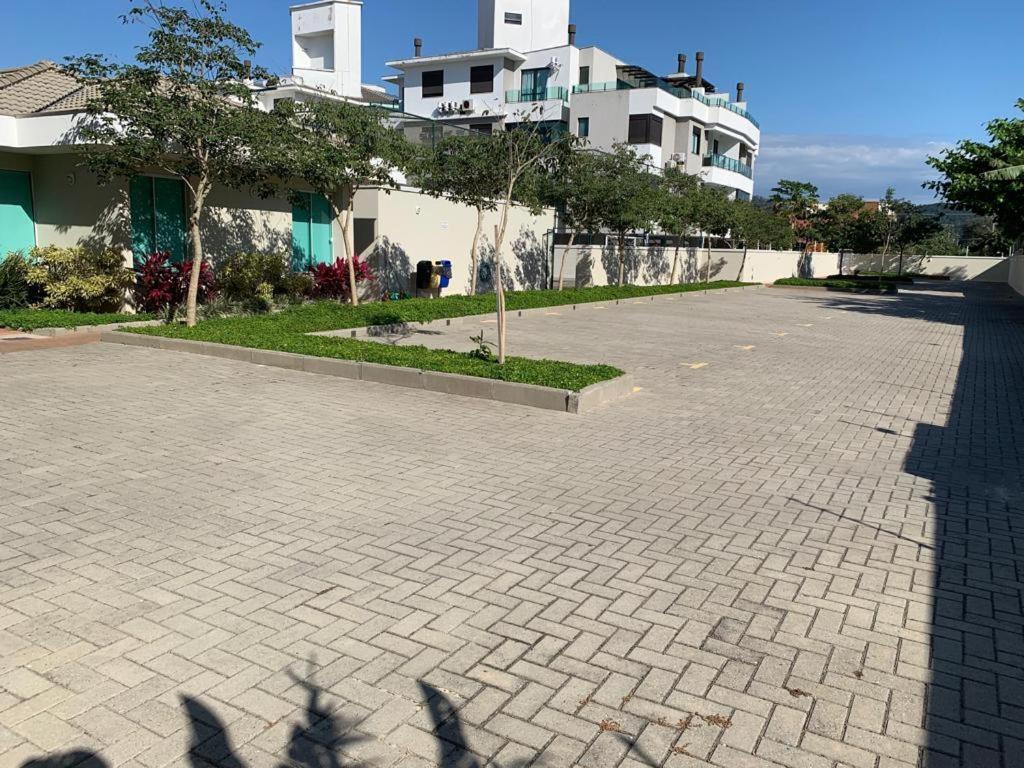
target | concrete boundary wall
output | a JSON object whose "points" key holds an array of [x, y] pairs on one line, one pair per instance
{"points": [[1016, 276], [598, 265]]}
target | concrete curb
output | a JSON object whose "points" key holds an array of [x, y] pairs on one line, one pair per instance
{"points": [[410, 329], [530, 395], [53, 332]]}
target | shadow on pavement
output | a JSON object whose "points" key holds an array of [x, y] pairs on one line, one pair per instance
{"points": [[974, 707]]}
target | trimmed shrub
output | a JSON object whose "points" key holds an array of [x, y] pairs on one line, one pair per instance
{"points": [[245, 275], [15, 290], [161, 286], [79, 279], [330, 281]]}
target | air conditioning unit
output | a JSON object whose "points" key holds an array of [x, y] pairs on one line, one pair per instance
{"points": [[466, 107]]}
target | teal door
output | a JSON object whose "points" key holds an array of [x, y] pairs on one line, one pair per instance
{"points": [[158, 217], [312, 237], [535, 84], [17, 222]]}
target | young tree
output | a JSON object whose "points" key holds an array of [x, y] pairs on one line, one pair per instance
{"points": [[571, 189], [714, 216], [181, 108], [753, 226], [462, 168], [340, 149], [798, 202], [841, 226], [676, 210], [987, 178], [628, 197], [523, 153]]}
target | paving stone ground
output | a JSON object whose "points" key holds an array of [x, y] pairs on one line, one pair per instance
{"points": [[801, 544]]}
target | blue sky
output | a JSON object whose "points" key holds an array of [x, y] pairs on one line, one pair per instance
{"points": [[850, 95]]}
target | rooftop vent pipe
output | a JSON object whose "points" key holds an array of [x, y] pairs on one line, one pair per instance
{"points": [[572, 34], [739, 91], [699, 77], [682, 63], [418, 45]]}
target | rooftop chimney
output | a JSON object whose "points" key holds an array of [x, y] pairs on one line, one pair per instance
{"points": [[572, 34], [682, 63], [739, 91], [418, 44], [699, 77]]}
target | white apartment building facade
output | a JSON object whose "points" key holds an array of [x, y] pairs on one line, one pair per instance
{"points": [[527, 66]]}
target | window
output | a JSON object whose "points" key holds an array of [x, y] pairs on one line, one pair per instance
{"points": [[583, 127], [645, 129], [695, 141], [535, 84], [481, 79], [584, 75], [158, 217], [433, 83], [714, 149], [482, 127], [514, 18]]}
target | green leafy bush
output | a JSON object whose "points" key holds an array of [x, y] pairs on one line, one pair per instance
{"points": [[846, 285], [80, 279], [15, 291], [247, 275]]}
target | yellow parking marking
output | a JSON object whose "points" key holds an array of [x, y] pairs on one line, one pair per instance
{"points": [[637, 389], [553, 314], [806, 325], [747, 348], [695, 366], [780, 334]]}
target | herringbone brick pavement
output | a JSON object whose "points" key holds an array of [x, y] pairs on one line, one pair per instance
{"points": [[800, 544]]}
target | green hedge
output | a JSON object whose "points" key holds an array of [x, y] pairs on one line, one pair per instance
{"points": [[845, 286], [287, 332], [33, 319]]}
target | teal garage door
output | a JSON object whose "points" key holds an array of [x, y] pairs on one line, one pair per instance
{"points": [[312, 237], [158, 217], [17, 223]]}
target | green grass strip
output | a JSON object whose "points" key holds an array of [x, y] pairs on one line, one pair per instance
{"points": [[287, 332], [33, 319], [846, 286]]}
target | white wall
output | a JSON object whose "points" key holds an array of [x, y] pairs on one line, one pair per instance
{"points": [[414, 227], [990, 269], [1016, 276]]}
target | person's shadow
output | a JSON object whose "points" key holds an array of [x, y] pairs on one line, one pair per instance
{"points": [[77, 759]]}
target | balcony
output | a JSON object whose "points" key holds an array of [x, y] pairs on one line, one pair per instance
{"points": [[554, 93], [679, 93], [728, 164]]}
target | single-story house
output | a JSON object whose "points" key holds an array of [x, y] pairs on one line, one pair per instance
{"points": [[49, 197]]}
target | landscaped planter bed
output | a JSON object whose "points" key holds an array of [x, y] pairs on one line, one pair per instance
{"points": [[841, 286], [52, 322]]}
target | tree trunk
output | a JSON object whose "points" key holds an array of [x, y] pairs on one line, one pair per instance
{"points": [[195, 232], [499, 283], [474, 256], [707, 271], [622, 259], [743, 266], [899, 271], [675, 263], [346, 235], [840, 262], [561, 268]]}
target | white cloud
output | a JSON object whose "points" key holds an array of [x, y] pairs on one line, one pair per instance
{"points": [[859, 165]]}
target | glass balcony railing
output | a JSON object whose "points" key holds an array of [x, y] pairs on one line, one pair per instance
{"points": [[554, 93], [679, 93], [729, 164]]}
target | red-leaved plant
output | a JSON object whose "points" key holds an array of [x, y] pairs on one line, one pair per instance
{"points": [[330, 281], [161, 286]]}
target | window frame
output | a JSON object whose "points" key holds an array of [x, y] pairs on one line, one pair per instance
{"points": [[651, 130], [513, 18], [585, 75], [436, 90], [583, 127], [481, 86]]}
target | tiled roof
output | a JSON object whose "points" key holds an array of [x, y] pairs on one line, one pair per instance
{"points": [[39, 88]]}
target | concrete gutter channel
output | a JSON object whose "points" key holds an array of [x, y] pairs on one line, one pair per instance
{"points": [[547, 398]]}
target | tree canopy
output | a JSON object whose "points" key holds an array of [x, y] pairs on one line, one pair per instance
{"points": [[982, 176]]}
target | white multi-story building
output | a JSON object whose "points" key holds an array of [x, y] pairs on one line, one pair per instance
{"points": [[527, 66]]}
